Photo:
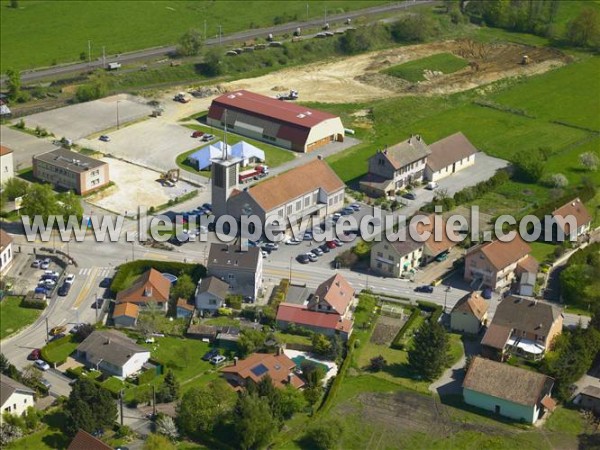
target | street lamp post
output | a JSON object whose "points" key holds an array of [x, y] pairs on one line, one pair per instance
{"points": [[448, 289], [291, 257], [118, 114]]}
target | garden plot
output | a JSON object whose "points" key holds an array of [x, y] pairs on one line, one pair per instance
{"points": [[387, 328]]}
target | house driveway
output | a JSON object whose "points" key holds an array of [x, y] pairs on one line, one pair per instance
{"points": [[451, 380]]}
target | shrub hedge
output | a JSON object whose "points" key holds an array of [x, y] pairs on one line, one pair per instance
{"points": [[397, 342]]}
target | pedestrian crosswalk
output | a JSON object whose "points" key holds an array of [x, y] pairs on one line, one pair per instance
{"points": [[102, 272]]}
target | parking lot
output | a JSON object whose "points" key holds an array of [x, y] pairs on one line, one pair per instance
{"points": [[152, 143], [135, 186], [24, 146], [80, 120]]}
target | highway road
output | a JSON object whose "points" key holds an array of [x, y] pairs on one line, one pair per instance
{"points": [[36, 75]]}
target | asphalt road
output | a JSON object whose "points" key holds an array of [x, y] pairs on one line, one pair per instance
{"points": [[35, 75]]}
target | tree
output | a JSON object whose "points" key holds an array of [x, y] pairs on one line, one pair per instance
{"points": [[312, 373], [166, 426], [213, 63], [584, 30], [201, 408], [184, 287], [429, 355], [169, 391], [158, 442], [3, 363], [250, 341], [40, 201], [15, 187], [31, 376], [190, 43], [83, 331], [413, 28], [291, 401], [31, 418], [377, 363], [13, 82], [558, 180], [253, 422], [356, 40], [324, 435], [71, 205], [320, 344], [589, 161], [529, 166], [89, 407], [9, 433]]}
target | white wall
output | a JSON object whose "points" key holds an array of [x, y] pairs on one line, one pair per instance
{"points": [[18, 402], [6, 258], [135, 363]]}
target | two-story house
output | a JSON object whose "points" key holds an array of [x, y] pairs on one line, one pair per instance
{"points": [[151, 288], [573, 219], [469, 314], [497, 264], [396, 167], [525, 327], [211, 294], [396, 258], [241, 270], [15, 398]]}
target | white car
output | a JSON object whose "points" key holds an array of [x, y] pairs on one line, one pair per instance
{"points": [[41, 364], [48, 282], [70, 279], [264, 254], [44, 264], [292, 241], [149, 340], [216, 360]]}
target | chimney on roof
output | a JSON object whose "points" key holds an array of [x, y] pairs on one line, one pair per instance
{"points": [[320, 157], [279, 350], [289, 377], [235, 360]]}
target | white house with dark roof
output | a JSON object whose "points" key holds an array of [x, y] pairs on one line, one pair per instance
{"points": [[240, 270], [396, 167], [15, 397], [211, 294], [448, 156]]}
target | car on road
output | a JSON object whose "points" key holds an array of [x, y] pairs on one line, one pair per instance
{"points": [[217, 359], [63, 291], [57, 330], [317, 251], [293, 241], [270, 246], [410, 196], [308, 236], [104, 138], [100, 302], [486, 293], [426, 289], [41, 364], [46, 383], [35, 354], [210, 354], [197, 134], [303, 259], [312, 257], [105, 283]]}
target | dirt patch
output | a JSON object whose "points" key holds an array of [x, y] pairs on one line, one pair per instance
{"points": [[386, 329]]}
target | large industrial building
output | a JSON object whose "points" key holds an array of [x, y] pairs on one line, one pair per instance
{"points": [[277, 122], [70, 170]]}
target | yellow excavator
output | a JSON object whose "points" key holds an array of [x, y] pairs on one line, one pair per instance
{"points": [[170, 177]]}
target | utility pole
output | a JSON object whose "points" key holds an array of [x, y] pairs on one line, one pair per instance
{"points": [[89, 51], [103, 57], [117, 114], [121, 404], [96, 295], [448, 289], [307, 12], [220, 33], [291, 257], [132, 251], [47, 330], [205, 36], [153, 401]]}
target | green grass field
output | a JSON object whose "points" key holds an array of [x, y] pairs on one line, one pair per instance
{"points": [[59, 350], [50, 437], [413, 70], [29, 39], [14, 318]]}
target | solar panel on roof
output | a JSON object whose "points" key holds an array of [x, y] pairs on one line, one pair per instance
{"points": [[259, 370]]}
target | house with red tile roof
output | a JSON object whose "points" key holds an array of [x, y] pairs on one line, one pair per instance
{"points": [[150, 288], [469, 314], [258, 365], [497, 264], [85, 441], [276, 122], [573, 219], [126, 314], [7, 168]]}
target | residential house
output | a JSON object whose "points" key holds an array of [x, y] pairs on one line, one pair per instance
{"points": [[151, 288], [498, 264], [509, 391], [396, 167], [573, 219], [113, 353], [241, 270], [184, 309], [7, 168], [256, 366], [126, 315], [589, 398], [469, 314], [85, 441], [6, 251], [525, 327], [527, 284], [448, 156], [15, 397], [396, 258], [211, 294], [325, 311], [438, 243]]}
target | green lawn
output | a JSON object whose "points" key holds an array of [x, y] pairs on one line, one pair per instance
{"points": [[59, 350], [50, 437], [29, 39], [274, 156], [14, 318], [288, 338], [542, 250], [413, 70]]}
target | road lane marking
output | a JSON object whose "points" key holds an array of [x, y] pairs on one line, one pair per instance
{"points": [[85, 290]]}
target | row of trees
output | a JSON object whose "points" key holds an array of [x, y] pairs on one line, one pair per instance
{"points": [[580, 280]]}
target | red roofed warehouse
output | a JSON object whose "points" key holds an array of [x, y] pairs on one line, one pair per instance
{"points": [[287, 125]]}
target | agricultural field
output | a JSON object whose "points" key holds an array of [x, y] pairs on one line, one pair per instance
{"points": [[414, 70], [14, 318], [30, 40]]}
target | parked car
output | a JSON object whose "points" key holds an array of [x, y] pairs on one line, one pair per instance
{"points": [[57, 330], [338, 243], [41, 290], [427, 289], [292, 241], [197, 134], [47, 282], [355, 206], [46, 383], [308, 236], [57, 336], [218, 359], [410, 196], [336, 217], [324, 248], [486, 293], [317, 251], [431, 185], [99, 305], [442, 257], [312, 257], [149, 340], [208, 137], [105, 138], [44, 264], [63, 291], [105, 283], [347, 211], [331, 244], [210, 354], [270, 246], [248, 299], [41, 364], [207, 206], [35, 354], [264, 253], [303, 259], [36, 264]]}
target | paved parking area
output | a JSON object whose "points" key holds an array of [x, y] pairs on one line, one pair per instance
{"points": [[80, 120], [24, 146], [134, 186]]}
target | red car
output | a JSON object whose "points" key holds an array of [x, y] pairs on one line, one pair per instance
{"points": [[331, 244], [35, 354], [197, 134]]}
